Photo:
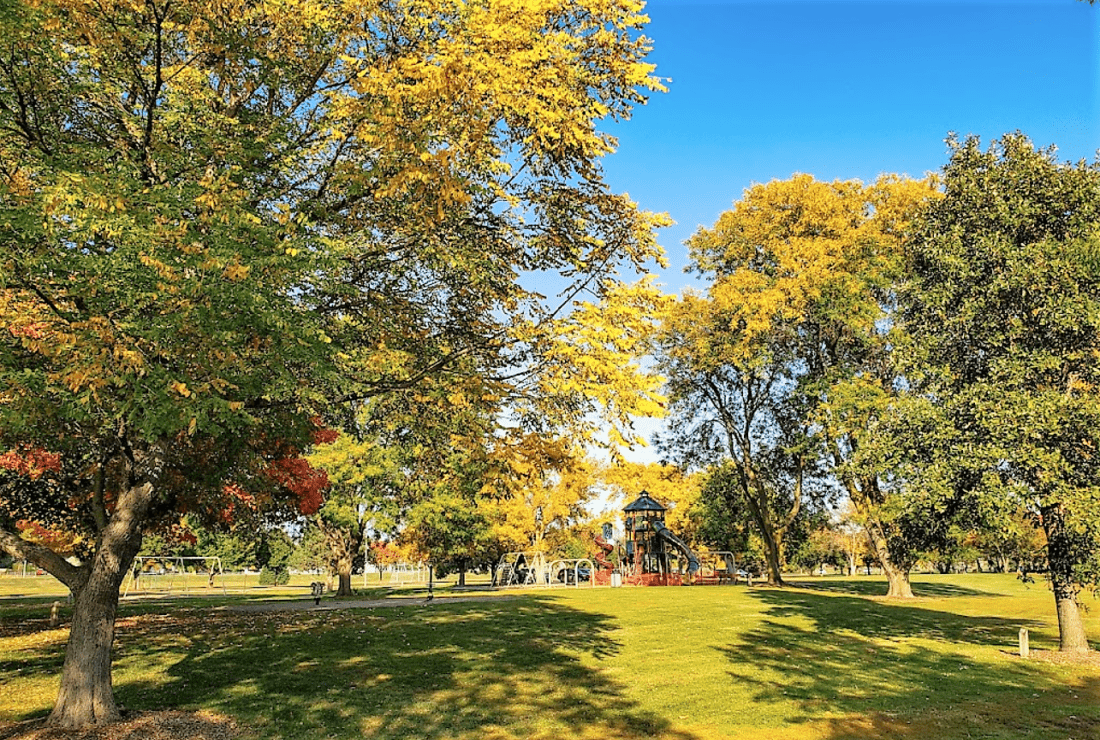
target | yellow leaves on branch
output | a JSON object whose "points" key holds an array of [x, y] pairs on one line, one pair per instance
{"points": [[596, 352], [236, 272], [797, 247]]}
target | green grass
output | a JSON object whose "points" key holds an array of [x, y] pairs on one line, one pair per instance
{"points": [[826, 659]]}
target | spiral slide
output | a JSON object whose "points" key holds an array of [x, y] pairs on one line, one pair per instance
{"points": [[601, 556], [666, 534]]}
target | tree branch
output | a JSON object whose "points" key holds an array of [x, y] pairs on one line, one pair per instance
{"points": [[71, 575]]}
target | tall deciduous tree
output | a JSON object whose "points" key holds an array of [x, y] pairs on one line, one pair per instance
{"points": [[217, 219], [366, 486], [795, 339], [1004, 308]]}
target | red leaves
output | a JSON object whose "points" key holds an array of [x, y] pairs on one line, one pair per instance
{"points": [[58, 541], [303, 480], [31, 462], [321, 434], [30, 331]]}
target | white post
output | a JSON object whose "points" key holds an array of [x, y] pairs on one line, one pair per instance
{"points": [[1025, 650]]}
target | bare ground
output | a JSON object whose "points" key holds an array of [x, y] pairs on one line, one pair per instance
{"points": [[171, 725]]}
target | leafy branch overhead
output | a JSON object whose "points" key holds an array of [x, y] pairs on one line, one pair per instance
{"points": [[224, 224]]}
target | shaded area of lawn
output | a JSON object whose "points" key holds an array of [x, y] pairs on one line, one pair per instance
{"points": [[481, 670], [902, 670], [878, 587]]}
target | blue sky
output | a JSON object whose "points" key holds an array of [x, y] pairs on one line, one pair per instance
{"points": [[761, 90]]}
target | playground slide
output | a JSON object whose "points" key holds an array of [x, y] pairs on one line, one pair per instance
{"points": [[605, 550], [666, 534]]}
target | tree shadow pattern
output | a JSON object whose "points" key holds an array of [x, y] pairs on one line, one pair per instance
{"points": [[466, 670], [878, 587], [868, 668]]}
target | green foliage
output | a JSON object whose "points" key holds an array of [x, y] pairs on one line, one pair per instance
{"points": [[219, 222], [451, 531], [270, 576], [276, 548], [311, 553], [1004, 311], [780, 370], [238, 548]]}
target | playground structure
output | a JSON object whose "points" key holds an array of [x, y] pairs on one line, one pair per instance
{"points": [[650, 555], [407, 573], [654, 555], [533, 568], [716, 568]]}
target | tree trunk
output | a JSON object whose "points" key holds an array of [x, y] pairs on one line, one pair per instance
{"points": [[87, 695], [343, 570], [897, 578], [773, 560], [755, 495], [1071, 630], [343, 546]]}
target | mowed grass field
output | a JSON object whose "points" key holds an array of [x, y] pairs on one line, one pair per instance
{"points": [[826, 658]]}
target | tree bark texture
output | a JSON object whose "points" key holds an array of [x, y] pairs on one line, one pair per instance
{"points": [[343, 570], [86, 696], [897, 578], [1071, 630], [343, 546]]}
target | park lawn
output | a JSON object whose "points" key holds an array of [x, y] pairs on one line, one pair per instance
{"points": [[825, 659]]}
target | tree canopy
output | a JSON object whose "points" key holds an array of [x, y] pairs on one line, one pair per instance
{"points": [[768, 368], [220, 221], [1004, 310]]}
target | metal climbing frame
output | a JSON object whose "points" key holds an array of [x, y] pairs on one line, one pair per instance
{"points": [[572, 572], [521, 569], [716, 567]]}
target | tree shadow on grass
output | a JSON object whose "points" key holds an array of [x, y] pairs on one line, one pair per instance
{"points": [[461, 670], [866, 669], [879, 587]]}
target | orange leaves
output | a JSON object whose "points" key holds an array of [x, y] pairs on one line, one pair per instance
{"points": [[30, 462], [304, 481], [59, 541], [321, 434], [236, 272], [180, 388]]}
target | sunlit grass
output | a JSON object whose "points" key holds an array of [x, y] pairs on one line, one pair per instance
{"points": [[826, 659]]}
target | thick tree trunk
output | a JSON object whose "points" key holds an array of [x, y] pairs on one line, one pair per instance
{"points": [[773, 559], [87, 695], [1071, 630], [343, 545], [897, 578], [343, 570]]}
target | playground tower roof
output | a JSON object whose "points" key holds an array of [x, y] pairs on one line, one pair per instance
{"points": [[644, 502]]}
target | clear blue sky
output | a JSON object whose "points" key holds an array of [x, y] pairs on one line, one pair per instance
{"points": [[761, 90]]}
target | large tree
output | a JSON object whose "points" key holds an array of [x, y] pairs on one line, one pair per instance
{"points": [[1004, 309], [364, 495], [735, 414], [791, 347], [218, 219]]}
